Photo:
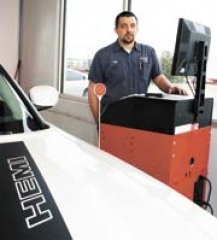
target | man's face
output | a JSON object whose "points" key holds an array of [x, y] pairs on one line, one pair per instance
{"points": [[126, 30]]}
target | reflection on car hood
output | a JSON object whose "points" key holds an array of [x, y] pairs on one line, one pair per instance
{"points": [[103, 198]]}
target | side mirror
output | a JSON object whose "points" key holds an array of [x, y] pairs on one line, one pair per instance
{"points": [[43, 97]]}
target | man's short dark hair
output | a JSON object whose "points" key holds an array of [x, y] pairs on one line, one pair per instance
{"points": [[124, 14]]}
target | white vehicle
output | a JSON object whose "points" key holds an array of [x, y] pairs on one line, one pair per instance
{"points": [[76, 83], [54, 186]]}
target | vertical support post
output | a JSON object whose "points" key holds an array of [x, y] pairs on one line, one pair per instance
{"points": [[99, 91], [199, 99]]}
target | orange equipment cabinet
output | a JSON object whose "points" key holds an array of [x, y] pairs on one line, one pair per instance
{"points": [[160, 137]]}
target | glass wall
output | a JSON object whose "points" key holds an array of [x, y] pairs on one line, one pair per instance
{"points": [[89, 26]]}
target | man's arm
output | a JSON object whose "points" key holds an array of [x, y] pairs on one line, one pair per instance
{"points": [[164, 84], [93, 101]]}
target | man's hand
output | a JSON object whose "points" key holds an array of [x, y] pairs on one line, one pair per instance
{"points": [[177, 90], [165, 85]]}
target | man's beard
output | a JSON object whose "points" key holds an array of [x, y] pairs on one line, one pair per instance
{"points": [[125, 40]]}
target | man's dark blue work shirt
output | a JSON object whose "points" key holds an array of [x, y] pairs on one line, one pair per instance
{"points": [[124, 73]]}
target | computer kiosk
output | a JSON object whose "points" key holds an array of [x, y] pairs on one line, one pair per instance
{"points": [[168, 137], [159, 135]]}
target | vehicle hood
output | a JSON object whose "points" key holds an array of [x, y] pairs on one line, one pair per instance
{"points": [[103, 198]]}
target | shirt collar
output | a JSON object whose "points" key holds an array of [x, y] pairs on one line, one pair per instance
{"points": [[117, 47], [137, 47]]}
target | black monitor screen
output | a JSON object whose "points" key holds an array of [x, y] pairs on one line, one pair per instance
{"points": [[187, 48]]}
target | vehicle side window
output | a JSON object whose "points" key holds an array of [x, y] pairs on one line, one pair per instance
{"points": [[14, 116], [4, 109]]}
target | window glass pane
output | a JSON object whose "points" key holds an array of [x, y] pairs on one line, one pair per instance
{"points": [[158, 22], [14, 115], [89, 26]]}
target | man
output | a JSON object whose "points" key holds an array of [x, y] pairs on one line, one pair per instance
{"points": [[125, 67]]}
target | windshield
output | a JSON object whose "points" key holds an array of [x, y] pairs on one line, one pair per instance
{"points": [[14, 115]]}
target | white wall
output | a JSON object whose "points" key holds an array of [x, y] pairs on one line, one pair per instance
{"points": [[40, 43], [74, 116], [9, 37]]}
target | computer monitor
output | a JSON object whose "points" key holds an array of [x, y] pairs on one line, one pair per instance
{"points": [[191, 47]]}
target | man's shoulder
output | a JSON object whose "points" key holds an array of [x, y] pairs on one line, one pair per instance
{"points": [[144, 46], [108, 49]]}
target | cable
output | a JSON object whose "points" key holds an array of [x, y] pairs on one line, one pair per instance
{"points": [[210, 207], [210, 188], [206, 203], [190, 86]]}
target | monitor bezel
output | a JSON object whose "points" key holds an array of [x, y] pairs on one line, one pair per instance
{"points": [[186, 55]]}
